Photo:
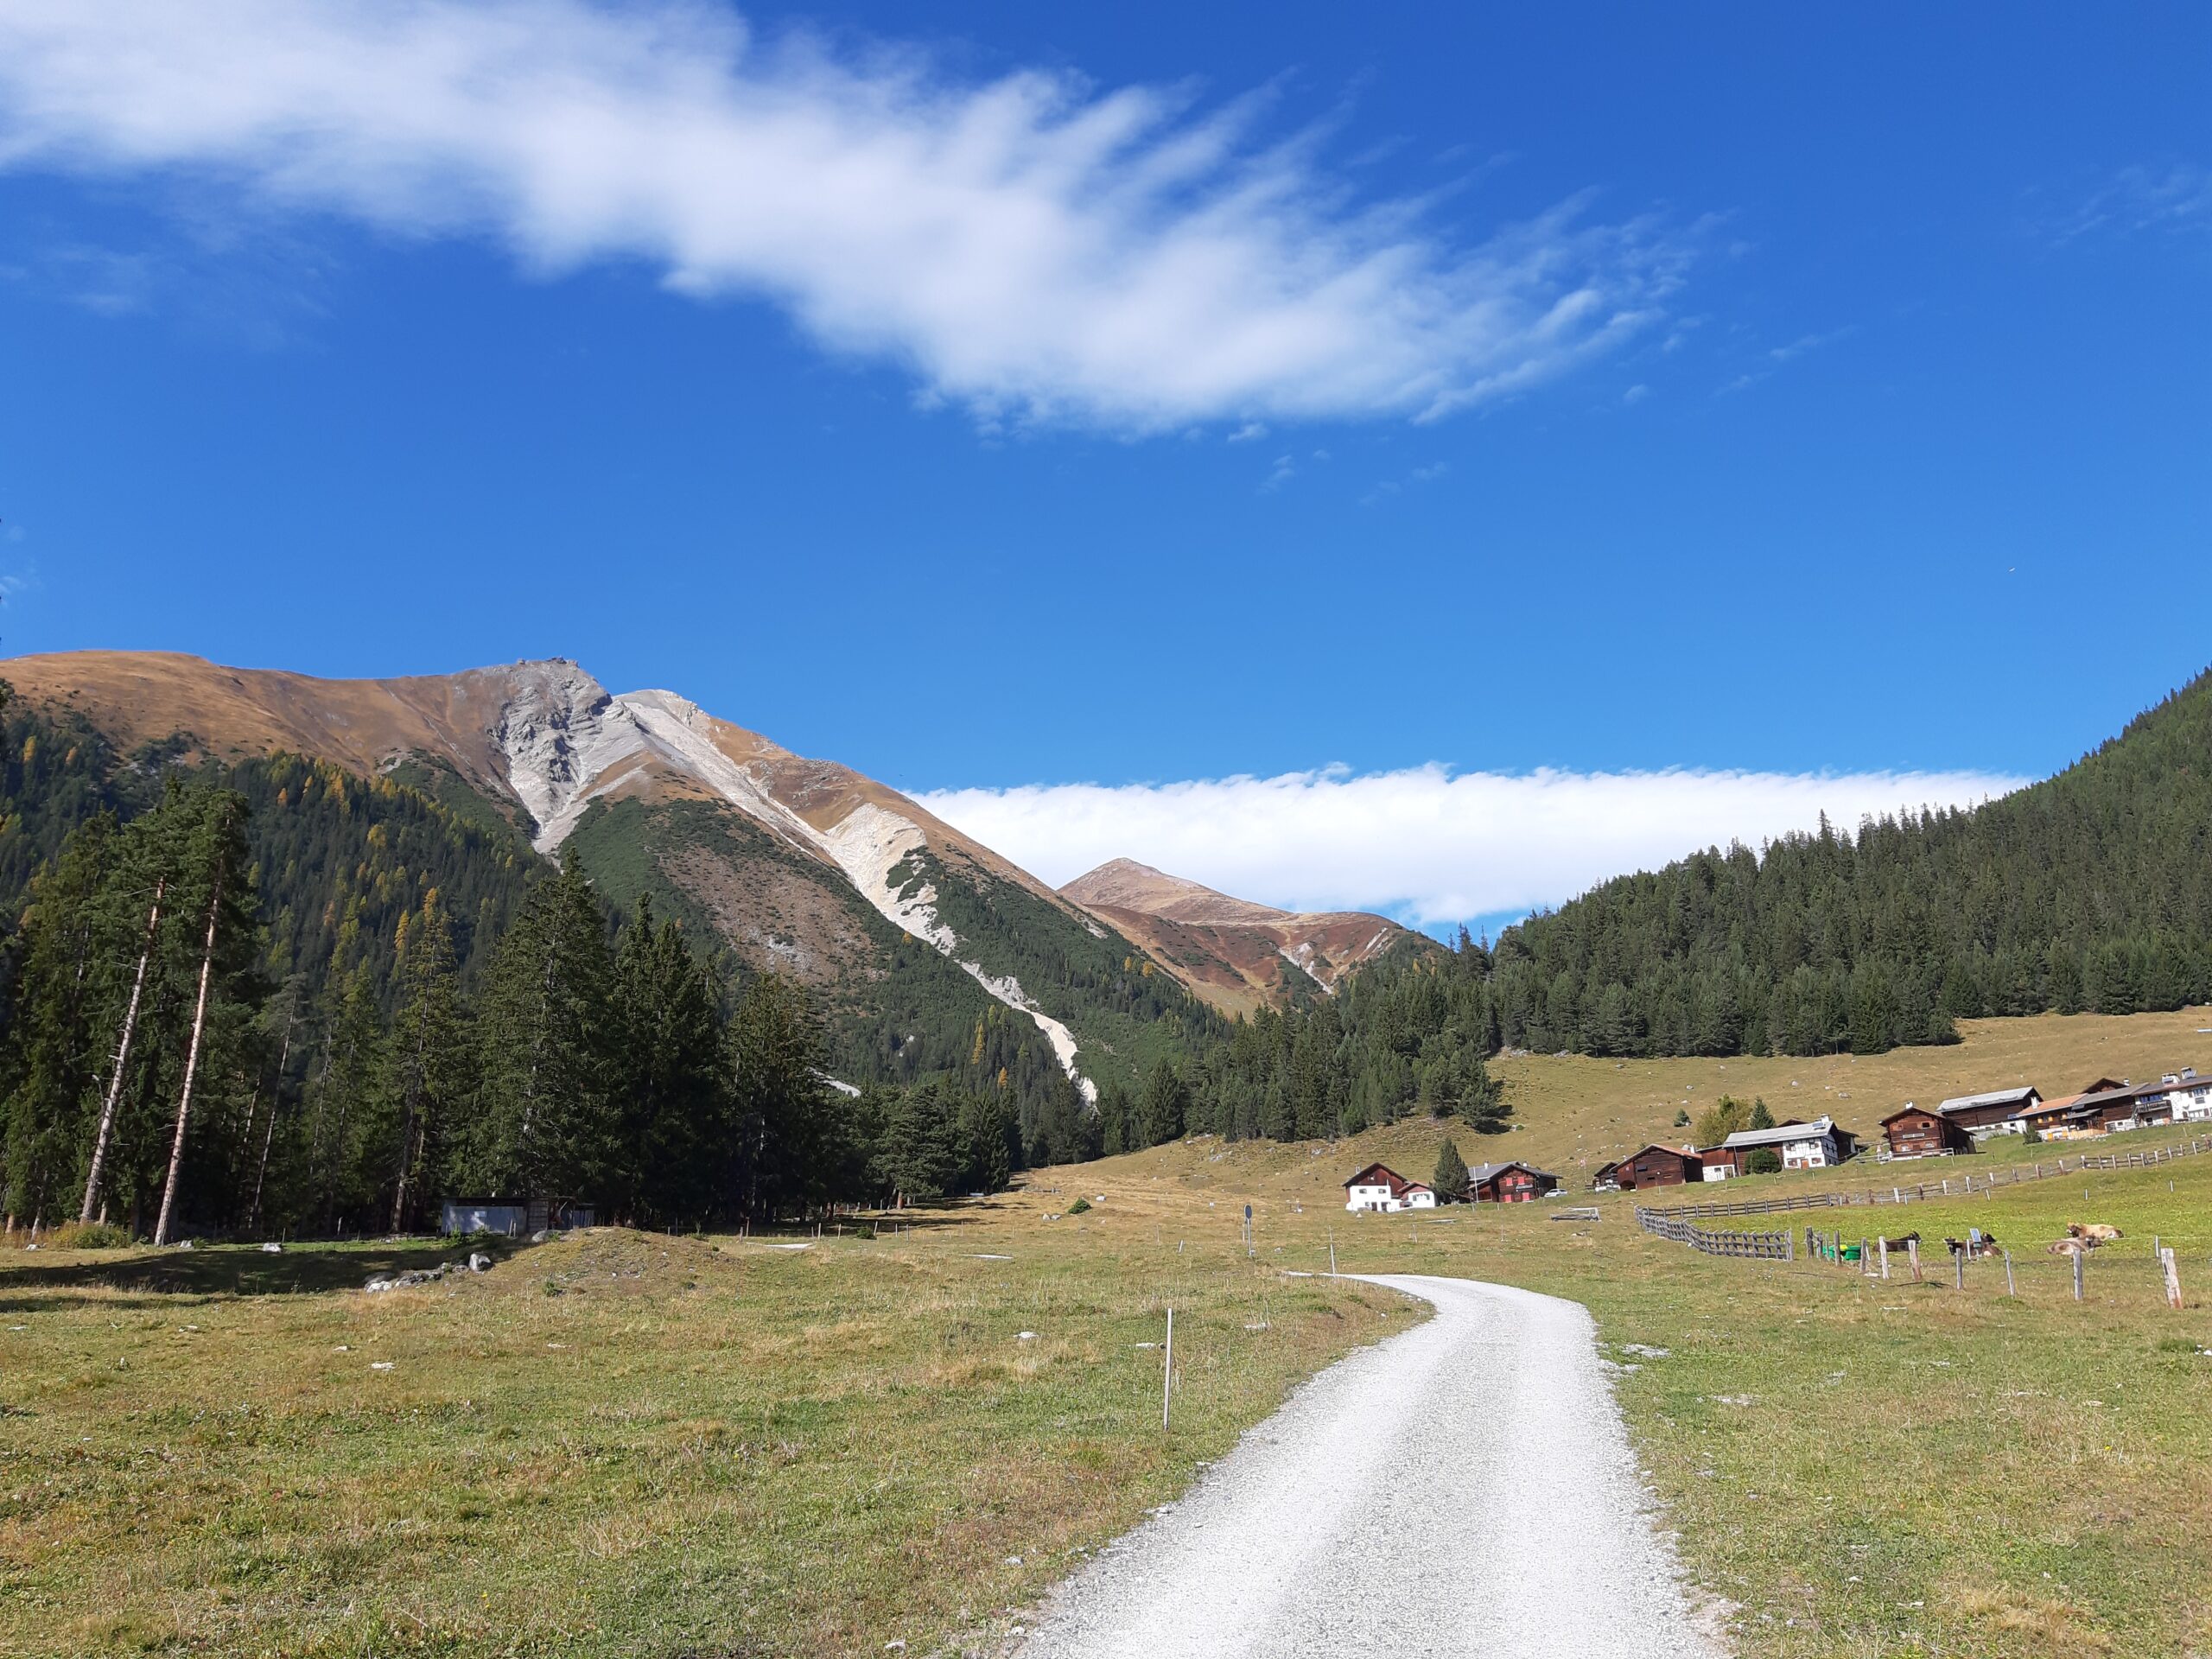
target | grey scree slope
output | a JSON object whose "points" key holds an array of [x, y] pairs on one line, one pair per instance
{"points": [[1465, 1488]]}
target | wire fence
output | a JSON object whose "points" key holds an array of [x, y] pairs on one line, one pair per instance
{"points": [[1946, 1187], [1973, 1263]]}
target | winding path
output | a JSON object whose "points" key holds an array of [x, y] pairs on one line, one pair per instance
{"points": [[1465, 1488]]}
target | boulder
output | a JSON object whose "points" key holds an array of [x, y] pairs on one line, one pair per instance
{"points": [[478, 1262]]}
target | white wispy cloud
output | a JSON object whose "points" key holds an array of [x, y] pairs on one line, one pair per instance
{"points": [[2175, 197], [1032, 246], [1777, 357], [1390, 486], [1425, 844]]}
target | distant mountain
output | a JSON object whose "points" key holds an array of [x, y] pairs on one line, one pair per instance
{"points": [[928, 950], [1234, 954]]}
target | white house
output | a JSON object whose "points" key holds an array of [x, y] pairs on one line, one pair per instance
{"points": [[2187, 1097], [1803, 1145], [1384, 1192]]}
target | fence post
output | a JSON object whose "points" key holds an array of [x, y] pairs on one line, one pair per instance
{"points": [[1168, 1379], [2009, 1291], [1912, 1255], [2078, 1255], [1789, 1244], [1883, 1244], [1959, 1263], [1865, 1267], [2173, 1279]]}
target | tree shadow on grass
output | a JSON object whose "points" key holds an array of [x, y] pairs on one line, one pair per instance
{"points": [[214, 1272]]}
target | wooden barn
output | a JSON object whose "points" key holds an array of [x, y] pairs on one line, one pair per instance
{"points": [[1509, 1183], [2105, 1110], [1915, 1132], [2001, 1111], [1655, 1166]]}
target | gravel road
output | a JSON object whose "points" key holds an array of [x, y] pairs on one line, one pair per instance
{"points": [[1465, 1488]]}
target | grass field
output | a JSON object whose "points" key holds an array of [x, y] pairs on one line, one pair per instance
{"points": [[612, 1444], [1581, 1112], [616, 1444]]}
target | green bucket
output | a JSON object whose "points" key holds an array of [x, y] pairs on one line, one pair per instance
{"points": [[1851, 1252]]}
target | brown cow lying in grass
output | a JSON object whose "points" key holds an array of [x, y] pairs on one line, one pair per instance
{"points": [[2095, 1231]]}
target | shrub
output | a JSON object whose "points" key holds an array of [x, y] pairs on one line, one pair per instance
{"points": [[1081, 1206], [87, 1235], [1763, 1160]]}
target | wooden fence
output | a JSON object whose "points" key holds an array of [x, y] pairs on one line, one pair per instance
{"points": [[1949, 1188], [1672, 1223]]}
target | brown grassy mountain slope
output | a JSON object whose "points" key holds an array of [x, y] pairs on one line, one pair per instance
{"points": [[1235, 955], [770, 846]]}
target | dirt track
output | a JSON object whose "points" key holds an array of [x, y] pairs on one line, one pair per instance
{"points": [[1465, 1488]]}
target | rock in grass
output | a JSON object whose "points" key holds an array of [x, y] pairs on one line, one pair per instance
{"points": [[478, 1262]]}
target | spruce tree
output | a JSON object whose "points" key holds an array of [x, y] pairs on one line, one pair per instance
{"points": [[347, 1111], [1164, 1105], [432, 1065], [784, 1121], [673, 1083], [921, 1153], [544, 1128], [53, 1051], [1450, 1180]]}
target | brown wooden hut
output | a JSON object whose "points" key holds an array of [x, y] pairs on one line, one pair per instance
{"points": [[1915, 1132]]}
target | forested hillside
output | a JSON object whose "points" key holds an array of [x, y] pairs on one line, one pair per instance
{"points": [[271, 996], [1406, 1033], [2090, 890]]}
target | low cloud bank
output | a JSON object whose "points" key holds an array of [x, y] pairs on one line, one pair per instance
{"points": [[1426, 844]]}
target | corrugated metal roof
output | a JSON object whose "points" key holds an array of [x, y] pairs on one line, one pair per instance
{"points": [[1781, 1133], [1994, 1097]]}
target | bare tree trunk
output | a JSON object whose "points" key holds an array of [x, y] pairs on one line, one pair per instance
{"points": [[191, 1066], [409, 1132], [276, 1104], [122, 1061]]}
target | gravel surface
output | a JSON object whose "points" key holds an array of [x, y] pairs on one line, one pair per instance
{"points": [[1464, 1488]]}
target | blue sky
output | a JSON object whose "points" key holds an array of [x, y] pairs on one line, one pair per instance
{"points": [[1122, 398]]}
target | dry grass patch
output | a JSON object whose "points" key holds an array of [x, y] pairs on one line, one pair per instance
{"points": [[613, 1444]]}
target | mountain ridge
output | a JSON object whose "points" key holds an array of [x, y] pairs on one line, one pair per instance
{"points": [[1234, 954]]}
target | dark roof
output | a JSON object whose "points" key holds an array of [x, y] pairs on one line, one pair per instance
{"points": [[1391, 1177], [1483, 1172], [2088, 1103], [1913, 1110]]}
